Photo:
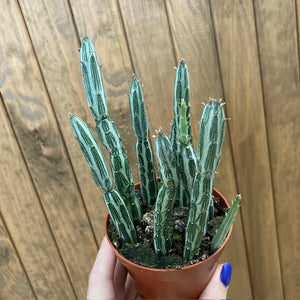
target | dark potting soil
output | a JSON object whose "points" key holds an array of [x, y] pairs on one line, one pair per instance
{"points": [[143, 252]]}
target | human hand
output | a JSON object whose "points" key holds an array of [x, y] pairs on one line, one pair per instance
{"points": [[109, 279], [218, 285]]}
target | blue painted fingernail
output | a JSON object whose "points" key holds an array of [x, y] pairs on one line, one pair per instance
{"points": [[226, 274]]}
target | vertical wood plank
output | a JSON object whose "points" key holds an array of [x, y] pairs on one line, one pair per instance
{"points": [[192, 32], [152, 52], [56, 46], [193, 35], [13, 280], [27, 224], [278, 52], [237, 48], [34, 122], [297, 11], [102, 23]]}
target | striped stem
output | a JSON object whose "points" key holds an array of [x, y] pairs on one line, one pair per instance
{"points": [[166, 195], [222, 231], [95, 159], [143, 147], [107, 131]]}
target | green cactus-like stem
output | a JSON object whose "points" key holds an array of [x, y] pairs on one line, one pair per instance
{"points": [[120, 216], [188, 162], [222, 231], [166, 196], [107, 131], [182, 197], [109, 135], [162, 229], [211, 136], [172, 137], [183, 134], [143, 147], [120, 166], [199, 210], [166, 160], [97, 164], [147, 173], [182, 91], [92, 153], [92, 80]]}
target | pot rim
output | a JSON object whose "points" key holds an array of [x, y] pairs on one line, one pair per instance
{"points": [[216, 193]]}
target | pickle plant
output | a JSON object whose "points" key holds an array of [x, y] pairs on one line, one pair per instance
{"points": [[186, 174]]}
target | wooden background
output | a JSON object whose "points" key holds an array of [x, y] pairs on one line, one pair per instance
{"points": [[52, 213]]}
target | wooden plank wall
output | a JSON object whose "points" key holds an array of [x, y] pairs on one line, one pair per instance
{"points": [[246, 52]]}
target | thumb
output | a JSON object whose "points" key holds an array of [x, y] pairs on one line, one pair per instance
{"points": [[218, 285]]}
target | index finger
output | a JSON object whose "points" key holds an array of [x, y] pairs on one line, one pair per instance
{"points": [[102, 274]]}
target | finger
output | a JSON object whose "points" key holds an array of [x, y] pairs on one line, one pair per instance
{"points": [[101, 276], [218, 285], [120, 276], [130, 290]]}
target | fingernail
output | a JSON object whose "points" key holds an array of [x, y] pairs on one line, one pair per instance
{"points": [[226, 274]]}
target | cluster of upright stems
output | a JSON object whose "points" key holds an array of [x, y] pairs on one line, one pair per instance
{"points": [[187, 175]]}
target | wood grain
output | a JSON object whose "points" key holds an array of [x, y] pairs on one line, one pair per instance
{"points": [[278, 53], [152, 53], [297, 13], [27, 225], [192, 32], [56, 46], [193, 35], [36, 129], [13, 280], [237, 48]]}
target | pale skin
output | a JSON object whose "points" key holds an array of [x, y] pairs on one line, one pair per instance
{"points": [[109, 280]]}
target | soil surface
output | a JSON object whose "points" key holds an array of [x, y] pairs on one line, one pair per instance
{"points": [[143, 252]]}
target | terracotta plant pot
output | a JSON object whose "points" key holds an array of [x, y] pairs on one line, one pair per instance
{"points": [[185, 283]]}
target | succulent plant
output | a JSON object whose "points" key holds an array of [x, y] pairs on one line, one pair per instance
{"points": [[143, 147], [106, 129], [187, 176], [186, 156], [228, 220], [114, 202], [167, 194], [211, 136], [181, 93]]}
